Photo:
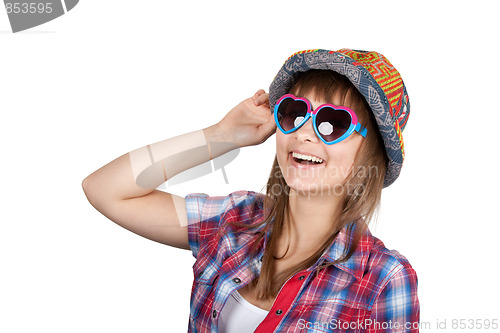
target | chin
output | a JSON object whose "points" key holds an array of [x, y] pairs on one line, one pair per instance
{"points": [[314, 187], [305, 187]]}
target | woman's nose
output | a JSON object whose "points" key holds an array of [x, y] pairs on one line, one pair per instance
{"points": [[306, 132]]}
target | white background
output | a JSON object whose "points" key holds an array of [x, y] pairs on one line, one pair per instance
{"points": [[112, 76]]}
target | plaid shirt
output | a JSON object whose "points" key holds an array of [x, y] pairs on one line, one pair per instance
{"points": [[374, 291]]}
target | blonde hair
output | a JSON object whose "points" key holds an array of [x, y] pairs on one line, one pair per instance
{"points": [[358, 206]]}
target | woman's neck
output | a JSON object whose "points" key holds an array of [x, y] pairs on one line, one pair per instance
{"points": [[309, 222]]}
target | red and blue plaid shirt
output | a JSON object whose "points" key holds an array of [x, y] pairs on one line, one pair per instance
{"points": [[374, 291]]}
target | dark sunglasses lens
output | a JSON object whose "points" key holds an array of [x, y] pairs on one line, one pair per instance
{"points": [[332, 123], [291, 113]]}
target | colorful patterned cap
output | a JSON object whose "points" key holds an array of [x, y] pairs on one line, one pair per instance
{"points": [[375, 78]]}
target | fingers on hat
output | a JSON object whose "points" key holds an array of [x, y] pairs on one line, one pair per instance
{"points": [[261, 98]]}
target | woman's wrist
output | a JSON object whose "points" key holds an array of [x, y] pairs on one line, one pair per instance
{"points": [[218, 140], [216, 133]]}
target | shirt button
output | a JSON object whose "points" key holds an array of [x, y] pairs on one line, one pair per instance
{"points": [[214, 313], [278, 312], [237, 280], [301, 277]]}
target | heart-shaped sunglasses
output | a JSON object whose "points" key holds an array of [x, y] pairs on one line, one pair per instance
{"points": [[331, 123]]}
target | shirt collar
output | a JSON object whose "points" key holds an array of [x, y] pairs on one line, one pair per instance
{"points": [[356, 264]]}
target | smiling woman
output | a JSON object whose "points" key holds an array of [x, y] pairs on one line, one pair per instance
{"points": [[301, 252], [322, 197]]}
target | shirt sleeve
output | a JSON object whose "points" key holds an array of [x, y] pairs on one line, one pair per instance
{"points": [[205, 213], [397, 308]]}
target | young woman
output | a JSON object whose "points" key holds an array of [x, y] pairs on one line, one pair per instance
{"points": [[299, 258]]}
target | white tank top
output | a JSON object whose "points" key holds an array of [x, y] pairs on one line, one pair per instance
{"points": [[240, 316]]}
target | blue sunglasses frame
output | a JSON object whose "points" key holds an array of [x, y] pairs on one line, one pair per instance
{"points": [[355, 126]]}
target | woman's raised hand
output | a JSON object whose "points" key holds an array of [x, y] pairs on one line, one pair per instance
{"points": [[250, 122]]}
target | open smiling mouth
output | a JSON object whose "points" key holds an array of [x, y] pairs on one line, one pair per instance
{"points": [[305, 159]]}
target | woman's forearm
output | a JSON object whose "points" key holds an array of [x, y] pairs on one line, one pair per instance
{"points": [[142, 170]]}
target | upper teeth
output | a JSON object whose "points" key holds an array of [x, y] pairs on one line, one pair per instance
{"points": [[307, 157]]}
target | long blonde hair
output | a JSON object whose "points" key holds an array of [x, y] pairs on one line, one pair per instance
{"points": [[359, 205]]}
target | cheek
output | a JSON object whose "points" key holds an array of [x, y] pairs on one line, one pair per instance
{"points": [[281, 145], [340, 165], [341, 158], [280, 138]]}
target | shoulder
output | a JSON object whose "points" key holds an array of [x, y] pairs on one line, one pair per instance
{"points": [[246, 197], [233, 198], [209, 206], [208, 215], [389, 258], [389, 268], [245, 207]]}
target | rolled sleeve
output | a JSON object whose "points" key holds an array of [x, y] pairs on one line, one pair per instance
{"points": [[397, 308]]}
